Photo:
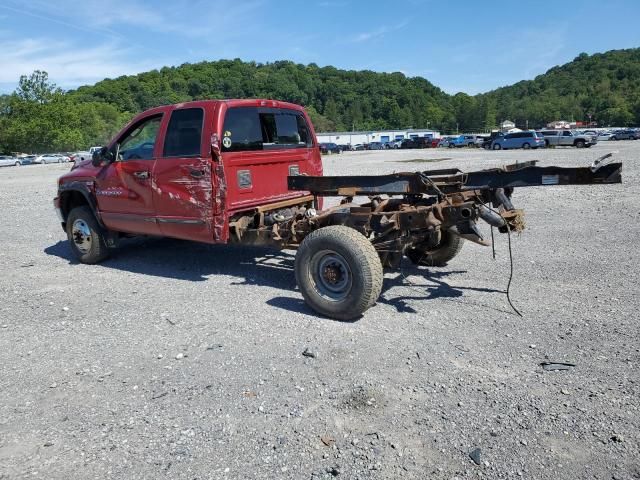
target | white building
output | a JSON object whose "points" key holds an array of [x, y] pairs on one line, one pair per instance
{"points": [[507, 125], [355, 138]]}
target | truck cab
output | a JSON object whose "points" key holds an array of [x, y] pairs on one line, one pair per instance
{"points": [[187, 170]]}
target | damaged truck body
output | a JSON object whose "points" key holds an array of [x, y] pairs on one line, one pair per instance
{"points": [[250, 172]]}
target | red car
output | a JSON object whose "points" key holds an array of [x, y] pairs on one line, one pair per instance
{"points": [[189, 171]]}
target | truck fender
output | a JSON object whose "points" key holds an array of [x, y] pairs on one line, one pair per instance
{"points": [[83, 189]]}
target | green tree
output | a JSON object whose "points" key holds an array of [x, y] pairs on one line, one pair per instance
{"points": [[37, 87]]}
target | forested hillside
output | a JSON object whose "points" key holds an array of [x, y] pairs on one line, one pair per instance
{"points": [[39, 117], [337, 99]]}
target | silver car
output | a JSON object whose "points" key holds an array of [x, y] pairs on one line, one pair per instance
{"points": [[6, 161], [51, 158]]}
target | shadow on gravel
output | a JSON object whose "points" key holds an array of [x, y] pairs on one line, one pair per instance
{"points": [[436, 287], [196, 262]]}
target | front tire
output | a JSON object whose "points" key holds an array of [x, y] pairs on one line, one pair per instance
{"points": [[580, 144], [497, 146], [86, 236], [449, 246], [339, 272]]}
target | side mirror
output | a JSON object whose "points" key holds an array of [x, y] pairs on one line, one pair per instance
{"points": [[101, 157]]}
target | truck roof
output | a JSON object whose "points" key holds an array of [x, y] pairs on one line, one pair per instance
{"points": [[234, 102]]}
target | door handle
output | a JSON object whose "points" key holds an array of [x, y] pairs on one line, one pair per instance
{"points": [[141, 175], [196, 173]]}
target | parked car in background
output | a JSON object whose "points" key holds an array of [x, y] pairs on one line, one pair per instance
{"points": [[416, 142], [346, 147], [488, 141], [359, 147], [7, 161], [462, 141], [50, 158], [567, 138], [79, 157], [376, 146], [603, 136], [626, 134], [329, 148], [397, 143], [444, 142], [524, 140]]}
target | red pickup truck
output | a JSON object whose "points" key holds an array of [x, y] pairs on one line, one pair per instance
{"points": [[186, 171], [249, 171]]}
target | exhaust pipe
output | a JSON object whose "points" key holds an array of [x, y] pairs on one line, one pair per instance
{"points": [[491, 217]]}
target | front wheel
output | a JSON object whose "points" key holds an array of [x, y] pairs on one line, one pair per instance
{"points": [[17, 164], [580, 144], [497, 146], [86, 237], [339, 272]]}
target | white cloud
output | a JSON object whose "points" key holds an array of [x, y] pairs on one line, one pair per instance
{"points": [[67, 65], [378, 32]]}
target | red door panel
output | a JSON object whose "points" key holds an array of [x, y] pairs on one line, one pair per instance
{"points": [[182, 192], [125, 197]]}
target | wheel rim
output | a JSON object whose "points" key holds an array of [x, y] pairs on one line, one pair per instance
{"points": [[81, 235], [331, 275], [526, 146]]}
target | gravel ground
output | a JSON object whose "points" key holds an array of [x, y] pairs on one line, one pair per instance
{"points": [[180, 360]]}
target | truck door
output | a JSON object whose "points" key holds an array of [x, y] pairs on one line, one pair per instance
{"points": [[123, 188], [182, 179], [567, 138]]}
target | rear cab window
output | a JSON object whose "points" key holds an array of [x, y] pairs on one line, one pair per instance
{"points": [[252, 128]]}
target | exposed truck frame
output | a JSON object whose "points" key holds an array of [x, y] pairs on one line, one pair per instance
{"points": [[425, 216]]}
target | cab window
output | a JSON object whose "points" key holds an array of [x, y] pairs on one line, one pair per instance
{"points": [[242, 130], [184, 133], [250, 128], [139, 142]]}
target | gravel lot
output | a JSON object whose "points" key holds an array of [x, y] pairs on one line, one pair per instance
{"points": [[180, 360]]}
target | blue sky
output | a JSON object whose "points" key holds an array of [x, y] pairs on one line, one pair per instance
{"points": [[463, 46]]}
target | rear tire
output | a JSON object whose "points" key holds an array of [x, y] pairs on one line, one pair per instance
{"points": [[17, 164], [339, 272], [449, 246], [526, 146], [86, 237]]}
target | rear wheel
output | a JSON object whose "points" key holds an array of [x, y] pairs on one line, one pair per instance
{"points": [[86, 237], [438, 256], [17, 164], [526, 146], [339, 272]]}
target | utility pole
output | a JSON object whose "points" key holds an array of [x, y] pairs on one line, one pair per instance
{"points": [[456, 128]]}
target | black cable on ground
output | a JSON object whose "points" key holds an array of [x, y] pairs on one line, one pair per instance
{"points": [[511, 273], [510, 261], [493, 244]]}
